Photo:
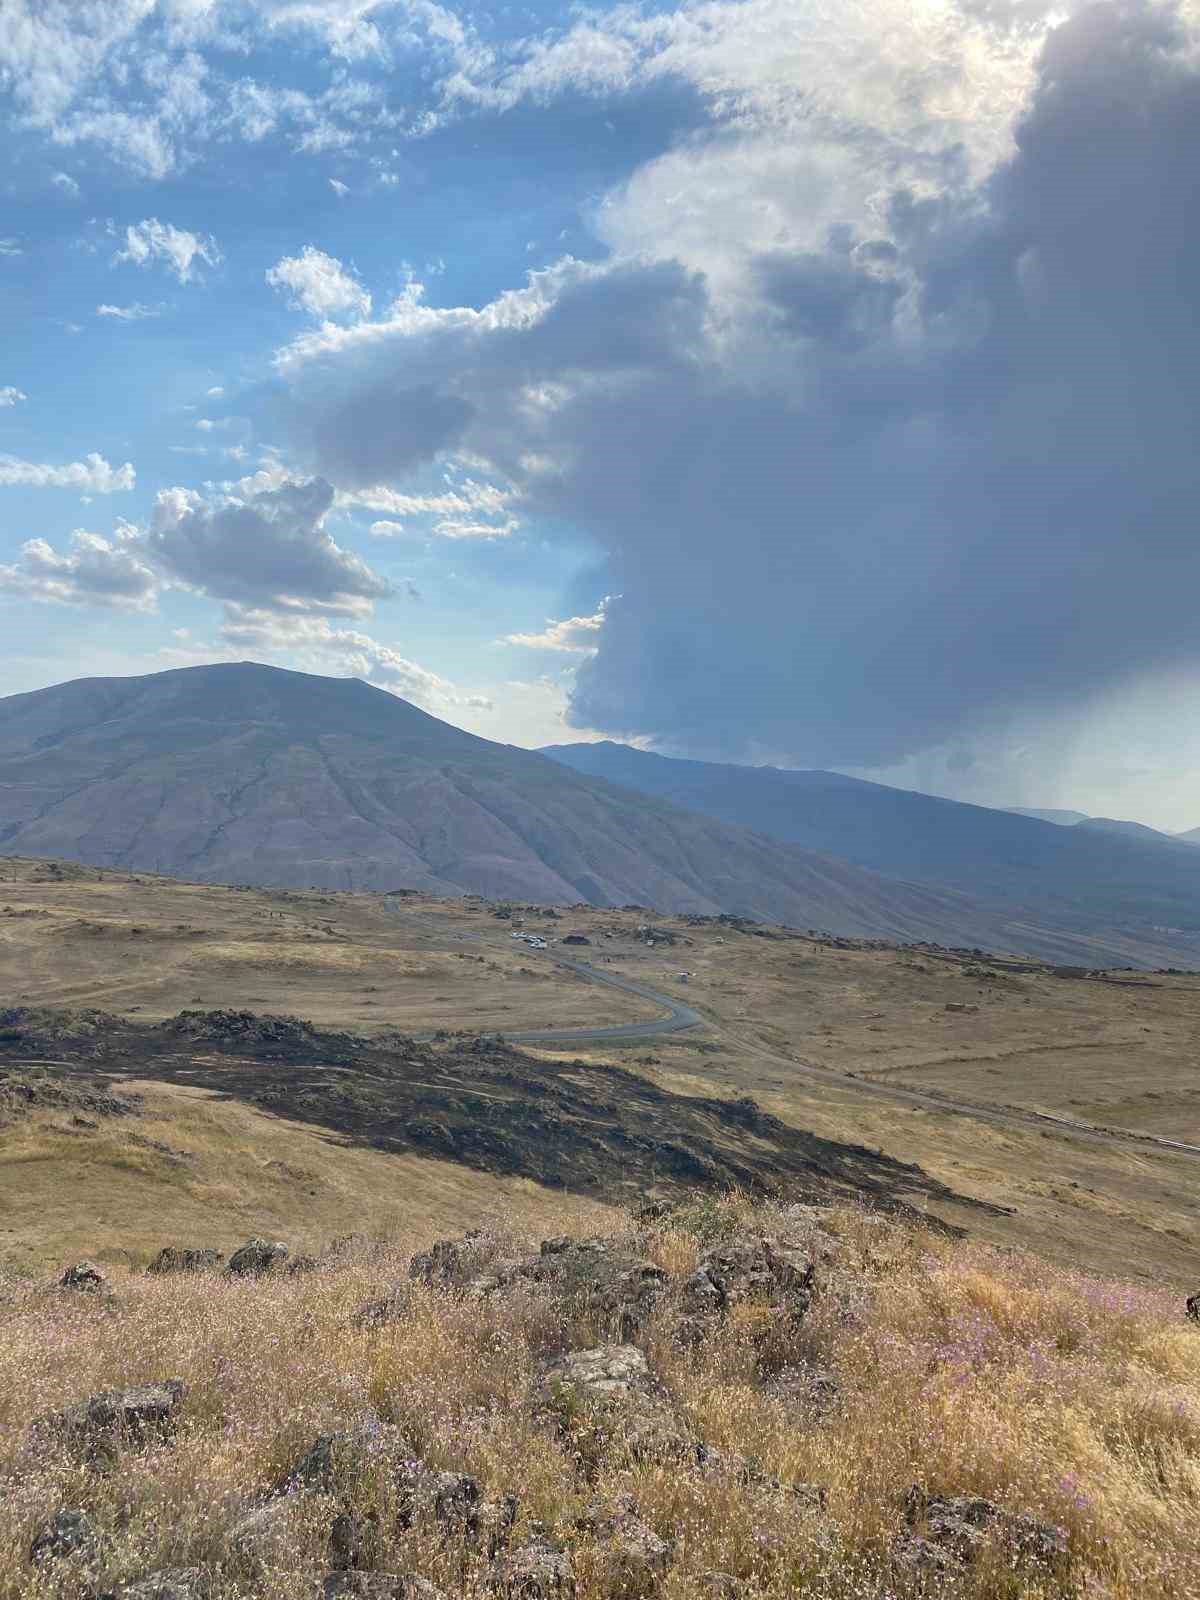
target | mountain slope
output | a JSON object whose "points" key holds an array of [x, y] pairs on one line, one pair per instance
{"points": [[249, 774], [1096, 882], [1065, 819]]}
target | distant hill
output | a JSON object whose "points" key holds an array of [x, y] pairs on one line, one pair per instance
{"points": [[1192, 836], [248, 774], [1064, 819], [1117, 888], [1131, 830]]}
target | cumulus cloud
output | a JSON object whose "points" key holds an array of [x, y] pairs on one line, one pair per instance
{"points": [[93, 475], [65, 182], [577, 635], [320, 285], [345, 651], [95, 571], [152, 241], [895, 461], [11, 396], [264, 549]]}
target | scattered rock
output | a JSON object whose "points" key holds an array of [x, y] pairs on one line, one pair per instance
{"points": [[959, 1525], [84, 1275], [637, 1558], [391, 1307], [349, 1585], [118, 1417], [174, 1583], [605, 1398], [538, 1570], [255, 1257], [1193, 1307], [748, 1473], [303, 1263], [809, 1393], [185, 1258], [335, 1460], [450, 1500], [352, 1540], [69, 1535], [266, 1536], [716, 1586]]}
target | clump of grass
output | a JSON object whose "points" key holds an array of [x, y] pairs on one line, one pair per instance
{"points": [[959, 1369]]}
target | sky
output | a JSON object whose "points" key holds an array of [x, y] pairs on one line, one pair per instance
{"points": [[812, 382]]}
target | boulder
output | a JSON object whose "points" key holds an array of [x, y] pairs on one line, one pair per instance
{"points": [[349, 1585], [449, 1500], [391, 1307], [185, 1258], [265, 1537], [335, 1460], [255, 1257], [601, 1278], [303, 1263], [604, 1401], [85, 1276], [960, 1525], [353, 1539], [637, 1558], [173, 1583], [70, 1535], [538, 1570], [1192, 1306], [118, 1417]]}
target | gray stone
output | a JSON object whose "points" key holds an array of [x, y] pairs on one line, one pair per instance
{"points": [[391, 1307], [185, 1258], [118, 1417], [257, 1256], [538, 1570], [637, 1557], [84, 1275], [335, 1460], [173, 1583], [70, 1535], [605, 1402], [347, 1585]]}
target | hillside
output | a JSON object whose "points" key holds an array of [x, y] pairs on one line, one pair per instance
{"points": [[249, 774], [711, 1399], [1094, 881]]}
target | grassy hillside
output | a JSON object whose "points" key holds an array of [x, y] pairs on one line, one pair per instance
{"points": [[914, 1417]]}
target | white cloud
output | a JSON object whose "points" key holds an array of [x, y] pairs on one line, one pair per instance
{"points": [[137, 312], [339, 188], [65, 182], [9, 396], [10, 247], [96, 571], [93, 475], [387, 530], [154, 241], [345, 651], [574, 634], [320, 285], [459, 512], [216, 392]]}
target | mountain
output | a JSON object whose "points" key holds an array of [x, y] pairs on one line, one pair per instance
{"points": [[1131, 830], [1108, 886], [249, 774], [1192, 836], [1065, 819]]}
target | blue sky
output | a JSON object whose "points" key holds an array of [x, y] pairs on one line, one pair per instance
{"points": [[758, 379]]}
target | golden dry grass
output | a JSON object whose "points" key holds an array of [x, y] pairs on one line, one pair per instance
{"points": [[962, 1369]]}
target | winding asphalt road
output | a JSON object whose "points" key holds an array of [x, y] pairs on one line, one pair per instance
{"points": [[679, 1017]]}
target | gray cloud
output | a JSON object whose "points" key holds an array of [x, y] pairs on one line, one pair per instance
{"points": [[922, 474], [268, 548], [94, 571]]}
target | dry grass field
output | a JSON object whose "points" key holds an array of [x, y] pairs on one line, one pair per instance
{"points": [[1118, 1053], [1068, 1407]]}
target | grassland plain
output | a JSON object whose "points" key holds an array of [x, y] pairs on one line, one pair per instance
{"points": [[1067, 1407], [1115, 1051]]}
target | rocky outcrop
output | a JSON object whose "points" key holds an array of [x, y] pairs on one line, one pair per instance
{"points": [[69, 1536], [952, 1530], [117, 1419], [604, 1401], [85, 1276], [636, 1558], [257, 1256], [540, 1569], [185, 1258]]}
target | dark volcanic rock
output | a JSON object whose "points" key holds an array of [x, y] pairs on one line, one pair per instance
{"points": [[350, 1585], [538, 1570], [255, 1257], [960, 1525], [84, 1275], [69, 1535], [335, 1461], [185, 1258], [118, 1417], [173, 1583], [391, 1307], [637, 1558]]}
